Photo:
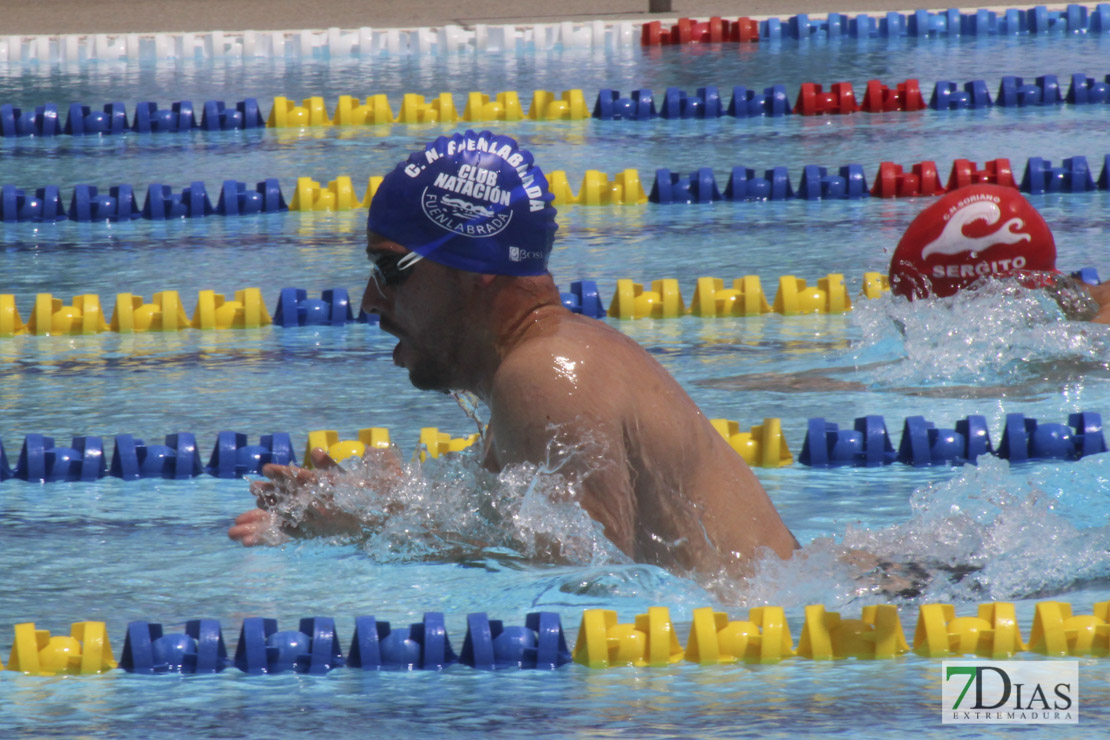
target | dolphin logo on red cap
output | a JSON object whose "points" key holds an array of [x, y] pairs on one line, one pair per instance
{"points": [[953, 240]]}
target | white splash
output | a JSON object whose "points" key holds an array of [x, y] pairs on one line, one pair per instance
{"points": [[451, 509], [991, 533], [995, 334]]}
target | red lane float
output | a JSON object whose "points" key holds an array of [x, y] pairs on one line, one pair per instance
{"points": [[996, 172], [906, 96], [688, 31], [893, 182], [814, 101]]}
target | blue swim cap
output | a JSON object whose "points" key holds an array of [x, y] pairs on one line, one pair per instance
{"points": [[471, 201]]}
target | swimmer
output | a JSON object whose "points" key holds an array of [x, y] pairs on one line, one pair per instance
{"points": [[971, 236], [981, 232], [467, 293]]}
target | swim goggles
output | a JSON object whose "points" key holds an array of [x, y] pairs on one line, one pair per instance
{"points": [[391, 269]]}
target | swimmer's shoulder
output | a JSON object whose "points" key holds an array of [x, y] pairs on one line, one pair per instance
{"points": [[592, 346], [566, 364]]}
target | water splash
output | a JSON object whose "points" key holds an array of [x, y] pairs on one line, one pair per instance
{"points": [[999, 341], [451, 509], [994, 532], [1001, 333]]}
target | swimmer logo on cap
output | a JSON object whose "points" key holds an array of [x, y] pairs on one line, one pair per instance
{"points": [[471, 201], [974, 232]]}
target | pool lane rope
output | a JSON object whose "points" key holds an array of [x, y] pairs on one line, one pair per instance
{"points": [[825, 446], [1044, 91], [89, 203], [650, 641], [662, 299], [1074, 20], [246, 309]]}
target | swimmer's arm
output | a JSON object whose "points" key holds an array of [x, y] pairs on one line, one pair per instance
{"points": [[1101, 294], [524, 421]]}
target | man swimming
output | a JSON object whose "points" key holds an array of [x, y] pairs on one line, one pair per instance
{"points": [[467, 294], [960, 242], [981, 232]]}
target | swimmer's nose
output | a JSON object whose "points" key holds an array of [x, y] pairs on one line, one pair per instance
{"points": [[373, 298]]}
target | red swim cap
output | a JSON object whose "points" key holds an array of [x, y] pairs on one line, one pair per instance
{"points": [[973, 232]]}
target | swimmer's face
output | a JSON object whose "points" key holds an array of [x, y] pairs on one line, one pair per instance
{"points": [[420, 304]]}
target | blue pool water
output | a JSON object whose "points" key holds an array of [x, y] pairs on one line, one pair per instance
{"points": [[157, 550]]}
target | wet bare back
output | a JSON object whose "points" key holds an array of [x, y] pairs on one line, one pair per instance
{"points": [[668, 490]]}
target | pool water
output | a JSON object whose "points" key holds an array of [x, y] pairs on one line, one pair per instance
{"points": [[156, 550]]}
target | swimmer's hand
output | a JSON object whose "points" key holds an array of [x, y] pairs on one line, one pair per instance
{"points": [[256, 527], [295, 502]]}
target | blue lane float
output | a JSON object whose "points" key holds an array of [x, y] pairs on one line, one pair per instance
{"points": [[311, 648], [421, 646], [200, 649], [89, 204], [705, 103], [314, 647], [150, 119], [177, 459], [671, 187], [163, 204], [701, 186], [243, 115], [949, 96], [610, 106], [44, 206], [865, 445], [233, 457], [236, 199], [1074, 176], [818, 184], [1015, 93], [111, 119], [539, 644], [923, 24], [1086, 90], [83, 120], [295, 308], [584, 298], [744, 185], [41, 461], [773, 103], [40, 121], [923, 444], [1024, 439]]}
